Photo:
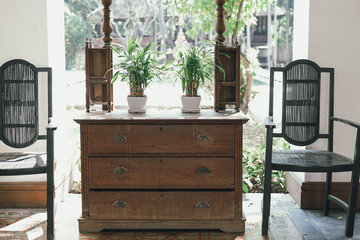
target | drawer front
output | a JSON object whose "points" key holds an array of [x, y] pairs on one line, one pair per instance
{"points": [[162, 205], [214, 139], [108, 138], [161, 139], [118, 173]]}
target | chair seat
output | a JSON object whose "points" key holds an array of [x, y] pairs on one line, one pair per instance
{"points": [[22, 160], [310, 161]]}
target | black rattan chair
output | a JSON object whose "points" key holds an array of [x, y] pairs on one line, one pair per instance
{"points": [[300, 126], [20, 126]]}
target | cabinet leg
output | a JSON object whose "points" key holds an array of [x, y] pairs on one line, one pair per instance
{"points": [[237, 227], [229, 229], [90, 230]]}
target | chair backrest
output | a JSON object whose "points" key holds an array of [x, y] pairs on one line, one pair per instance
{"points": [[301, 101], [19, 103]]}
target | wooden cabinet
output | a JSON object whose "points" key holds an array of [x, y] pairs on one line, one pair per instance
{"points": [[161, 170]]}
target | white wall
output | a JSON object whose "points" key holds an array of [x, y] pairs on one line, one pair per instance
{"points": [[24, 35], [301, 29], [34, 30], [333, 42], [56, 53], [23, 31]]}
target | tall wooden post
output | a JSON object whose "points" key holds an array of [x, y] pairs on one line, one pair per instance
{"points": [[227, 86], [98, 61], [220, 27], [106, 26]]}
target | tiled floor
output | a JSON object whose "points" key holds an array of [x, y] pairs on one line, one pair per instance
{"points": [[287, 222]]}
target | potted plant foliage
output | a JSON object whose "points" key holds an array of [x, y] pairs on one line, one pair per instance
{"points": [[138, 66], [193, 66]]}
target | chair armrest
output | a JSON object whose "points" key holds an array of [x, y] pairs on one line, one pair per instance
{"points": [[51, 125], [269, 123], [351, 123]]}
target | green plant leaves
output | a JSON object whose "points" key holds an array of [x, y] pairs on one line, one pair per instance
{"points": [[254, 167], [193, 66], [245, 188], [116, 75], [137, 65]]}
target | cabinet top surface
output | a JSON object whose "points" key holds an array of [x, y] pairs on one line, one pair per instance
{"points": [[160, 116]]}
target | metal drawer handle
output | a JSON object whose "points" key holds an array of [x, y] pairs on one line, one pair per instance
{"points": [[119, 139], [203, 170], [202, 138], [120, 170], [202, 205], [119, 203]]}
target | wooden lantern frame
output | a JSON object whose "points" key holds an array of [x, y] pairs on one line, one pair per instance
{"points": [[227, 83]]}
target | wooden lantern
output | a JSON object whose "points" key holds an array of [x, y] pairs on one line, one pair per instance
{"points": [[97, 63], [227, 84], [98, 80]]}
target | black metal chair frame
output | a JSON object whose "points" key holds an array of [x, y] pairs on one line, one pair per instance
{"points": [[16, 77], [298, 132]]}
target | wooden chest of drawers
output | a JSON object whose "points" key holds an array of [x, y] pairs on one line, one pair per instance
{"points": [[161, 170]]}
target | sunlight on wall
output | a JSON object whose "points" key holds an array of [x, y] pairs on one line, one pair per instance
{"points": [[301, 29], [332, 33]]}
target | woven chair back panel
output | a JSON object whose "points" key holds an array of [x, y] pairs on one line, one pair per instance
{"points": [[19, 105], [301, 104]]}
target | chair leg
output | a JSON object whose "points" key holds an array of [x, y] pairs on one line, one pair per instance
{"points": [[50, 205], [266, 202], [350, 219], [327, 193]]}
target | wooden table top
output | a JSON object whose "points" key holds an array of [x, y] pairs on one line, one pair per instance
{"points": [[161, 116]]}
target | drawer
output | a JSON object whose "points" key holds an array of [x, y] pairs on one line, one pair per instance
{"points": [[108, 138], [118, 173], [214, 139], [162, 205], [161, 139]]}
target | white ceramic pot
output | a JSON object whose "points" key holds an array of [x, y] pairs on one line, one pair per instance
{"points": [[137, 104], [190, 104]]}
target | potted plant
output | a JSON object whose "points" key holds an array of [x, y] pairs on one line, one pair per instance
{"points": [[138, 66], [193, 66]]}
